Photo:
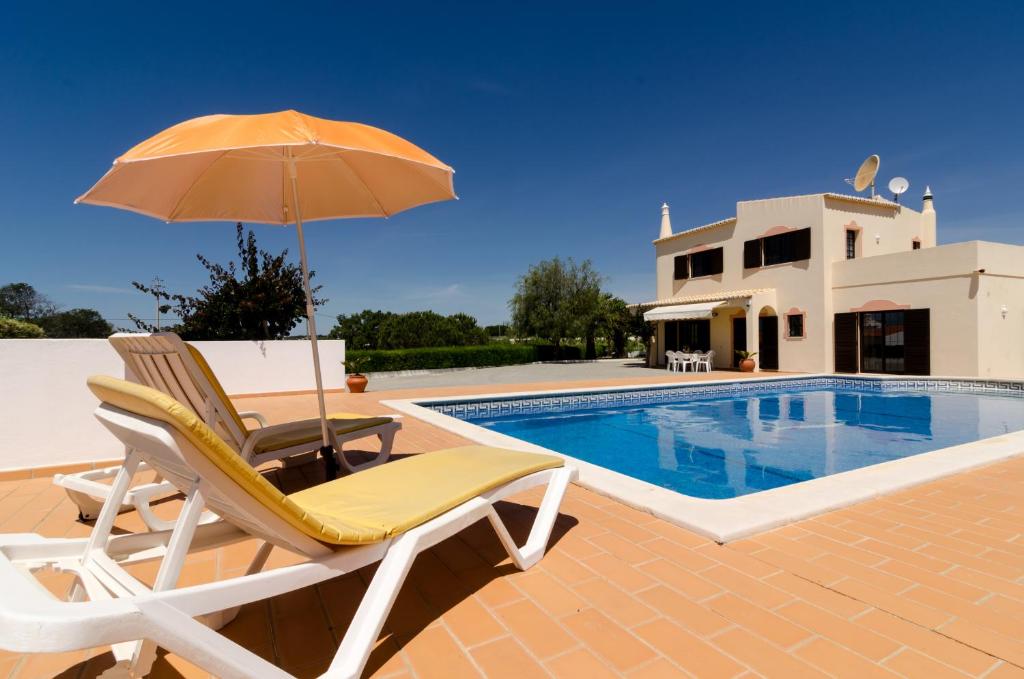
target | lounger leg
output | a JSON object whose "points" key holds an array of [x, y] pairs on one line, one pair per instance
{"points": [[540, 533], [143, 652], [369, 619], [220, 618]]}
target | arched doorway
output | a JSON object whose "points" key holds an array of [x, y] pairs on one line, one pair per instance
{"points": [[768, 338]]}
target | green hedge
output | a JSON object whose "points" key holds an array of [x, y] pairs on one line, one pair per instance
{"points": [[12, 328], [433, 358]]}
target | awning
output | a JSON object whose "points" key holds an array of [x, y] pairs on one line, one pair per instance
{"points": [[681, 312]]}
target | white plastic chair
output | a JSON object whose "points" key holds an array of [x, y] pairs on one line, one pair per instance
{"points": [[671, 361], [706, 361], [687, 360]]}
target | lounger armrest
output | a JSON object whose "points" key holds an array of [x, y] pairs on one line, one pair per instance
{"points": [[254, 415]]}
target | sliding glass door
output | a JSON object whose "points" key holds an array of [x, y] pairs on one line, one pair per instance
{"points": [[882, 342]]}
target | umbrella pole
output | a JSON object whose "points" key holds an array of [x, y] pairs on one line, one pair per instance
{"points": [[327, 449]]}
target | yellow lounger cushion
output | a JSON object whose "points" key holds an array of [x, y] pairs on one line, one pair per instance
{"points": [[362, 508], [392, 498], [310, 433]]}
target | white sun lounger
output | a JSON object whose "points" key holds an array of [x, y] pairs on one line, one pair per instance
{"points": [[166, 363], [387, 514]]}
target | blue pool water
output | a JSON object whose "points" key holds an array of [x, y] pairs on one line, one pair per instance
{"points": [[729, 444]]}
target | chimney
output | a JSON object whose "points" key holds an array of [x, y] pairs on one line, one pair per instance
{"points": [[928, 219], [666, 223]]}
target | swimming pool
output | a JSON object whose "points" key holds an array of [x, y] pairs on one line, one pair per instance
{"points": [[728, 459], [723, 446]]}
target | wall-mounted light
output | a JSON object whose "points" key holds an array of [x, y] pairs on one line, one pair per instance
{"points": [[1004, 311], [878, 238]]}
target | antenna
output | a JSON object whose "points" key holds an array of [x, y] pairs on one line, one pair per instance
{"points": [[866, 174], [898, 186]]}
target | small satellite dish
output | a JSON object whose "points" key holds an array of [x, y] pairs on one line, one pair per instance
{"points": [[898, 186], [866, 174]]}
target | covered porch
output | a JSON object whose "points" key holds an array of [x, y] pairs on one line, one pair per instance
{"points": [[727, 322]]}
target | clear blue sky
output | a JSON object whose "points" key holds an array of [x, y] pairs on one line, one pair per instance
{"points": [[567, 125]]}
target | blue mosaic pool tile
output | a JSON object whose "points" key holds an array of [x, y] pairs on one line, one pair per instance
{"points": [[471, 409]]}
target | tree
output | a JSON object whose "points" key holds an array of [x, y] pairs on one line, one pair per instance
{"points": [[616, 322], [12, 328], [23, 302], [259, 298], [76, 323], [556, 300], [386, 330]]}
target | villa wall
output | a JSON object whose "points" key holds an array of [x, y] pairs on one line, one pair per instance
{"points": [[969, 334], [46, 409]]}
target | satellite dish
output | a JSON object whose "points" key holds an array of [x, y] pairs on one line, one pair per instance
{"points": [[898, 186], [866, 174]]}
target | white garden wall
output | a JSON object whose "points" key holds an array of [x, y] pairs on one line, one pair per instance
{"points": [[46, 409]]}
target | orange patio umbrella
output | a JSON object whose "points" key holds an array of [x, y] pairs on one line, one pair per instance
{"points": [[275, 168]]}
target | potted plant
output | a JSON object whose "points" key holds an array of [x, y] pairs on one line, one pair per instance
{"points": [[746, 360], [356, 380]]}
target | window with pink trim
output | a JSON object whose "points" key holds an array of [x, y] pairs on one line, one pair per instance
{"points": [[795, 326]]}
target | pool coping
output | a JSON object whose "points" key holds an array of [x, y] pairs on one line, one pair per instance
{"points": [[724, 520]]}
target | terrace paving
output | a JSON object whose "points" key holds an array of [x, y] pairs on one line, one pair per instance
{"points": [[924, 582]]}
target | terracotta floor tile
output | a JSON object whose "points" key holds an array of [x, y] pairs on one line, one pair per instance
{"points": [[608, 640], [620, 605], [939, 646], [539, 633], [814, 571], [659, 669], [942, 583], [1006, 671], [567, 569], [679, 609], [688, 651], [680, 579], [892, 603], [506, 659], [630, 578], [910, 663], [762, 656], [471, 623], [857, 638], [738, 561], [755, 591], [624, 549], [758, 620], [552, 596], [580, 664], [818, 595], [866, 574], [683, 556], [1010, 649], [840, 662], [433, 654]]}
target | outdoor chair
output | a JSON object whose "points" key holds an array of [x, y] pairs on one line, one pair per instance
{"points": [[706, 361], [687, 360], [164, 362], [671, 362], [387, 514]]}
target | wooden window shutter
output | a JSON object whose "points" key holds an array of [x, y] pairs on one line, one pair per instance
{"points": [[717, 263], [917, 342], [752, 254], [801, 245], [845, 342], [682, 267]]}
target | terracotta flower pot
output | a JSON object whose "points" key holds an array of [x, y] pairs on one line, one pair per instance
{"points": [[747, 365], [356, 383]]}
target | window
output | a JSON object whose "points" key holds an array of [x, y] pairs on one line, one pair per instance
{"points": [[792, 246], [917, 245], [752, 254], [795, 325], [706, 263], [681, 267], [851, 244]]}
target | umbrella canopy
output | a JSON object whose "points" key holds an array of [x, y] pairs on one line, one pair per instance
{"points": [[274, 168], [235, 168]]}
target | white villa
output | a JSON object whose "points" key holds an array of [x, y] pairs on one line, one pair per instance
{"points": [[837, 283]]}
